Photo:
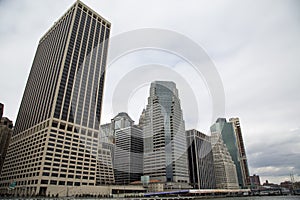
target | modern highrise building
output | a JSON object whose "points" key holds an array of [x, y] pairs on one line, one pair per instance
{"points": [[55, 141], [108, 131], [201, 163], [165, 155], [231, 135], [225, 169], [125, 141], [242, 151], [128, 158]]}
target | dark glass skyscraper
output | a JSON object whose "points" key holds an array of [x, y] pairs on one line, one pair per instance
{"points": [[201, 162], [165, 157], [55, 141]]}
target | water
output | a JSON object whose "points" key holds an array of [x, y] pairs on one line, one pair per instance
{"points": [[261, 198]]}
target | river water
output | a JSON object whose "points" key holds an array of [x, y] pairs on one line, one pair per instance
{"points": [[261, 198]]}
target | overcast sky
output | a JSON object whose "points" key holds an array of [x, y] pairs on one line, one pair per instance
{"points": [[254, 45]]}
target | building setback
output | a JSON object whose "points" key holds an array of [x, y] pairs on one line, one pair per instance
{"points": [[165, 155], [225, 169], [201, 163], [232, 137], [55, 140]]}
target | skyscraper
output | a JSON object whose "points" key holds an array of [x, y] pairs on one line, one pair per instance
{"points": [[231, 135], [225, 169], [125, 141], [200, 159], [165, 157], [242, 151], [55, 141], [128, 159]]}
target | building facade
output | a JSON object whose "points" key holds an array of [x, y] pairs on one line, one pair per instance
{"points": [[5, 137], [6, 127], [128, 158], [254, 181], [235, 146], [200, 159], [55, 140], [242, 151], [225, 169], [125, 142], [165, 155]]}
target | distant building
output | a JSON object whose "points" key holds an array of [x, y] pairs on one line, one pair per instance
{"points": [[286, 184], [128, 159], [6, 126], [231, 135], [267, 184], [5, 136], [1, 110], [165, 155], [254, 181], [124, 141], [121, 120], [107, 133], [225, 169], [242, 151], [201, 163], [6, 122], [108, 130]]}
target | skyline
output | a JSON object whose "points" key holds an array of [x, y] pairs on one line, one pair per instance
{"points": [[247, 49]]}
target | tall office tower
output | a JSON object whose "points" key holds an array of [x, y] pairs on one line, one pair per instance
{"points": [[108, 131], [125, 142], [225, 170], [55, 141], [230, 133], [200, 159], [242, 151], [165, 155], [128, 158]]}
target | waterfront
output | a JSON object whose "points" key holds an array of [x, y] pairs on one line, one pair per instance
{"points": [[174, 198]]}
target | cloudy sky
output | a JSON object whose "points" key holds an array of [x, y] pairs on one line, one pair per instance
{"points": [[254, 46]]}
